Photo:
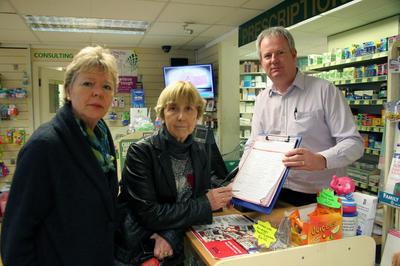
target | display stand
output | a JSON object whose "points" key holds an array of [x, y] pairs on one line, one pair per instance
{"points": [[358, 250], [393, 94]]}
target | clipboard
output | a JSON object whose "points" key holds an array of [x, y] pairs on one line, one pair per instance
{"points": [[271, 138]]}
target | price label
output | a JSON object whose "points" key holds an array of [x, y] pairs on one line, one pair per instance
{"points": [[365, 80], [320, 65], [333, 63], [375, 152], [375, 79], [347, 61], [357, 102], [379, 102], [359, 59], [353, 81], [343, 82]]}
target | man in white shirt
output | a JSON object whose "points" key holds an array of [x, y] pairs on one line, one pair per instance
{"points": [[299, 105]]}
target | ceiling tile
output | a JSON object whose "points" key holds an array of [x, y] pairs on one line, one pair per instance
{"points": [[117, 39], [262, 4], [5, 7], [196, 14], [223, 3], [375, 15], [216, 31], [15, 36], [12, 22], [128, 9], [62, 37], [166, 40], [70, 8], [238, 16]]}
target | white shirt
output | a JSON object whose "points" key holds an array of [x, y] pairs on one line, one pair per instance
{"points": [[323, 120]]}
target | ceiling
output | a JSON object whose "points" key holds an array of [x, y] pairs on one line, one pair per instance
{"points": [[209, 19]]}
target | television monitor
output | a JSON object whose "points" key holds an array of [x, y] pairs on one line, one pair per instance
{"points": [[205, 137], [201, 76]]}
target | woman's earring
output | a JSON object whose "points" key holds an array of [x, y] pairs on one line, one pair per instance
{"points": [[69, 98]]}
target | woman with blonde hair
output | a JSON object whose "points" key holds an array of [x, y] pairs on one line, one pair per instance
{"points": [[61, 206], [164, 186]]}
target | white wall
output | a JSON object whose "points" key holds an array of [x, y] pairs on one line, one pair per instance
{"points": [[370, 32]]}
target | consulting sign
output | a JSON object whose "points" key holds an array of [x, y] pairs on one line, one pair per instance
{"points": [[285, 14]]}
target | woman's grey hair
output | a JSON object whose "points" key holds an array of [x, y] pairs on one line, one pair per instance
{"points": [[92, 59], [177, 91], [272, 33]]}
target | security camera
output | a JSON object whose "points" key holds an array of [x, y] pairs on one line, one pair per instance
{"points": [[189, 31], [166, 48]]}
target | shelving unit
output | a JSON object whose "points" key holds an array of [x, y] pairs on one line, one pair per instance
{"points": [[246, 105], [372, 106]]}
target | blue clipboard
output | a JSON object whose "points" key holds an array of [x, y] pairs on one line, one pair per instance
{"points": [[264, 209]]}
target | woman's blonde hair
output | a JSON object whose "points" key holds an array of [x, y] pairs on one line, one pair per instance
{"points": [[90, 59], [177, 91]]}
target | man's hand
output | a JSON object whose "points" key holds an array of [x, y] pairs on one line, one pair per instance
{"points": [[304, 159]]}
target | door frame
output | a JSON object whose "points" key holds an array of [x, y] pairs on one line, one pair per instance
{"points": [[36, 90]]}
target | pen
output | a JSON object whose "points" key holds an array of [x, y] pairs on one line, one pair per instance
{"points": [[295, 113], [233, 190]]}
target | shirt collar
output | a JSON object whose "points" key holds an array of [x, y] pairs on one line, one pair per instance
{"points": [[299, 82]]}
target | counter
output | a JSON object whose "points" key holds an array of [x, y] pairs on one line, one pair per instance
{"points": [[358, 250]]}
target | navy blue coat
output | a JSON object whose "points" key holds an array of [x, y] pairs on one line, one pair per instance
{"points": [[61, 207]]}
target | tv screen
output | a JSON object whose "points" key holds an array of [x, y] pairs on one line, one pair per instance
{"points": [[201, 76]]}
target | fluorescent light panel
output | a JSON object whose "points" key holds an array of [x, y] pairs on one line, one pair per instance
{"points": [[86, 25]]}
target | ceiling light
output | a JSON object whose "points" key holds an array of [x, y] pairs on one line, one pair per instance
{"points": [[184, 25], [86, 25], [303, 22], [340, 7]]}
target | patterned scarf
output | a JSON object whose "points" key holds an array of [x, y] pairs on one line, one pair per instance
{"points": [[98, 141]]}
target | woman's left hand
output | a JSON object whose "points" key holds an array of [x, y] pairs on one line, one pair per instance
{"points": [[162, 249]]}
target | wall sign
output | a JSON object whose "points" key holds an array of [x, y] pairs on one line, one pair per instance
{"points": [[127, 63], [285, 14]]}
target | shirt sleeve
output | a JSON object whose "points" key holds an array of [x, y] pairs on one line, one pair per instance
{"points": [[349, 144]]}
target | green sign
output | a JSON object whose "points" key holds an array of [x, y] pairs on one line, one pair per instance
{"points": [[53, 55], [285, 14]]}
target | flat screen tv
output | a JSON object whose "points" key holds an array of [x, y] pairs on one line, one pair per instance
{"points": [[201, 76]]}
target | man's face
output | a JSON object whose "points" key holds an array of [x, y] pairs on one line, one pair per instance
{"points": [[277, 60]]}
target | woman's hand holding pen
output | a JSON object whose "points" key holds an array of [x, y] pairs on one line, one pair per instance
{"points": [[220, 197], [304, 159]]}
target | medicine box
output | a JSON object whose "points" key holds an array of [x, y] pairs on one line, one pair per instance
{"points": [[366, 208], [137, 98]]}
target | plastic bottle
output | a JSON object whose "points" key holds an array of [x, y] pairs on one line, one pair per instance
{"points": [[383, 91], [158, 122]]}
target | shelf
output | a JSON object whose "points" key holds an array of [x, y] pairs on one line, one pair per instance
{"points": [[360, 80], [366, 102], [370, 129], [372, 151], [247, 100], [350, 61]]}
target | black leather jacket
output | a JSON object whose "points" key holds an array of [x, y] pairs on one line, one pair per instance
{"points": [[147, 202]]}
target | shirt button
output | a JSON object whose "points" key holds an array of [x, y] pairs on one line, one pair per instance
{"points": [[110, 226]]}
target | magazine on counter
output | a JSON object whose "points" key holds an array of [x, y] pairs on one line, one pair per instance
{"points": [[227, 236]]}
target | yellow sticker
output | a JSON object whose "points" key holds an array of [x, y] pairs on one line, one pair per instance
{"points": [[264, 233]]}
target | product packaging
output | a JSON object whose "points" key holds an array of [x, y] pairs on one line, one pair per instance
{"points": [[366, 208], [317, 229]]}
